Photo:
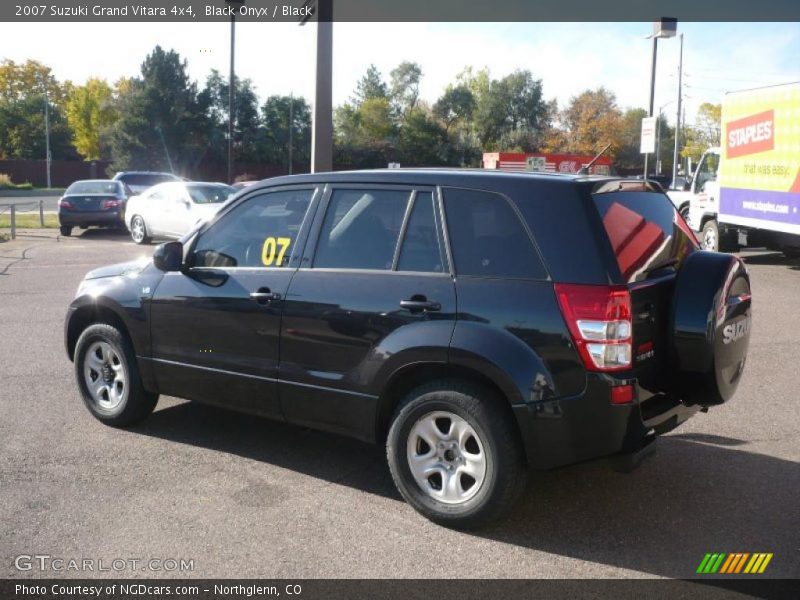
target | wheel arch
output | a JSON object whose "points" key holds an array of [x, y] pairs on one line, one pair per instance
{"points": [[411, 376], [88, 314]]}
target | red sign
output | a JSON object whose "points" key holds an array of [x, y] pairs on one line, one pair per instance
{"points": [[749, 135]]}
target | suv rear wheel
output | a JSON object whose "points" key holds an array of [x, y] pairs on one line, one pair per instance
{"points": [[455, 455], [108, 377]]}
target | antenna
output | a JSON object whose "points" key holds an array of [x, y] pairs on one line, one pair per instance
{"points": [[584, 170]]}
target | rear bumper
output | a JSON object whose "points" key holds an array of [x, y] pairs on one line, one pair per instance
{"points": [[570, 430], [103, 218]]}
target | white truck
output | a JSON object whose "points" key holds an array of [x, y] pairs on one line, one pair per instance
{"points": [[747, 192]]}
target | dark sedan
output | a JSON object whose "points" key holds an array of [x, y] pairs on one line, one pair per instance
{"points": [[93, 202]]}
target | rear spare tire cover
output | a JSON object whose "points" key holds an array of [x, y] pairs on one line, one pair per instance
{"points": [[711, 316]]}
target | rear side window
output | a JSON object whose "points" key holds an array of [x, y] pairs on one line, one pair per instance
{"points": [[645, 231], [361, 229], [487, 237]]}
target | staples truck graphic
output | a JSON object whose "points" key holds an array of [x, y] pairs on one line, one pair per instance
{"points": [[751, 134], [759, 174]]}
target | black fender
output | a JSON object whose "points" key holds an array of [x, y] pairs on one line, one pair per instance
{"points": [[505, 359]]}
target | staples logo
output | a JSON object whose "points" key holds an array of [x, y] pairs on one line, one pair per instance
{"points": [[752, 134]]}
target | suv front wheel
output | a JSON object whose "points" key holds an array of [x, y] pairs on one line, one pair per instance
{"points": [[108, 377], [455, 454]]}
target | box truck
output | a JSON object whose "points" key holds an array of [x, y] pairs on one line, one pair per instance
{"points": [[747, 191]]}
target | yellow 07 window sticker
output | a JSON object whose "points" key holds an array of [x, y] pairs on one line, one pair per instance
{"points": [[273, 251]]}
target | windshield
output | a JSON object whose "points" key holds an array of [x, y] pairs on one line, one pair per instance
{"points": [[94, 187], [209, 194]]}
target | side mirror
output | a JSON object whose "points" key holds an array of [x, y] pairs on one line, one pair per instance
{"points": [[168, 257]]}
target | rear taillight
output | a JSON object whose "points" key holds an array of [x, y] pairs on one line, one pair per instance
{"points": [[63, 203], [599, 319], [110, 204]]}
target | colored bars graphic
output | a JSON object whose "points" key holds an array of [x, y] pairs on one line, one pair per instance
{"points": [[736, 562]]}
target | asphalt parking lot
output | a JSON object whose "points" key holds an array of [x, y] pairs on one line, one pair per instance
{"points": [[245, 497]]}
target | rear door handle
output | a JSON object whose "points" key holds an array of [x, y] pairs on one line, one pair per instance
{"points": [[264, 295], [415, 305]]}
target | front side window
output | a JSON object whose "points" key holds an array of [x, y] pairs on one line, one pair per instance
{"points": [[361, 229], [260, 232], [487, 237]]}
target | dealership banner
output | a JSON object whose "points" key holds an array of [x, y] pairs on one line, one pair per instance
{"points": [[404, 10], [400, 589]]}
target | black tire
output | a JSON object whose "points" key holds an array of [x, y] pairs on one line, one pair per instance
{"points": [[505, 465], [684, 211], [144, 238], [65, 230], [137, 403], [709, 236]]}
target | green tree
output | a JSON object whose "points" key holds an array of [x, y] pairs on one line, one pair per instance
{"points": [[422, 141], [371, 85], [404, 88], [455, 107], [24, 90], [162, 118], [90, 112], [247, 128], [275, 113]]}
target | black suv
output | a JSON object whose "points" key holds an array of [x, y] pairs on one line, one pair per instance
{"points": [[477, 323]]}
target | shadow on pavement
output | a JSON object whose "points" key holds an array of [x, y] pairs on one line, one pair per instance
{"points": [[101, 234], [697, 494], [775, 259]]}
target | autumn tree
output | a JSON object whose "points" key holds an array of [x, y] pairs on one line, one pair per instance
{"points": [[591, 120], [90, 112], [705, 133]]}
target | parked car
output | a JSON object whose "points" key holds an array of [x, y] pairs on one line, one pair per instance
{"points": [[172, 209], [92, 202], [477, 323], [240, 185], [140, 181]]}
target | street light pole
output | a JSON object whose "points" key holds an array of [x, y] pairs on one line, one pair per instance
{"points": [[678, 115], [232, 85], [652, 94], [664, 27], [48, 158]]}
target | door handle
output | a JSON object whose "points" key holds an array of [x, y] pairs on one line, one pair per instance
{"points": [[420, 303], [264, 295]]}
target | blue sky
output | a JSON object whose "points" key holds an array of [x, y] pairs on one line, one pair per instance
{"points": [[568, 57]]}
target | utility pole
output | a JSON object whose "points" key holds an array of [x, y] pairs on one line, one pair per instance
{"points": [[675, 152], [322, 132], [48, 158]]}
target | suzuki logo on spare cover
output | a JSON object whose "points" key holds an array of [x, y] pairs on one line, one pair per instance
{"points": [[749, 135]]}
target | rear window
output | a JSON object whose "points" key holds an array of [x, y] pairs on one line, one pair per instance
{"points": [[209, 194], [94, 187], [645, 231], [146, 179]]}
